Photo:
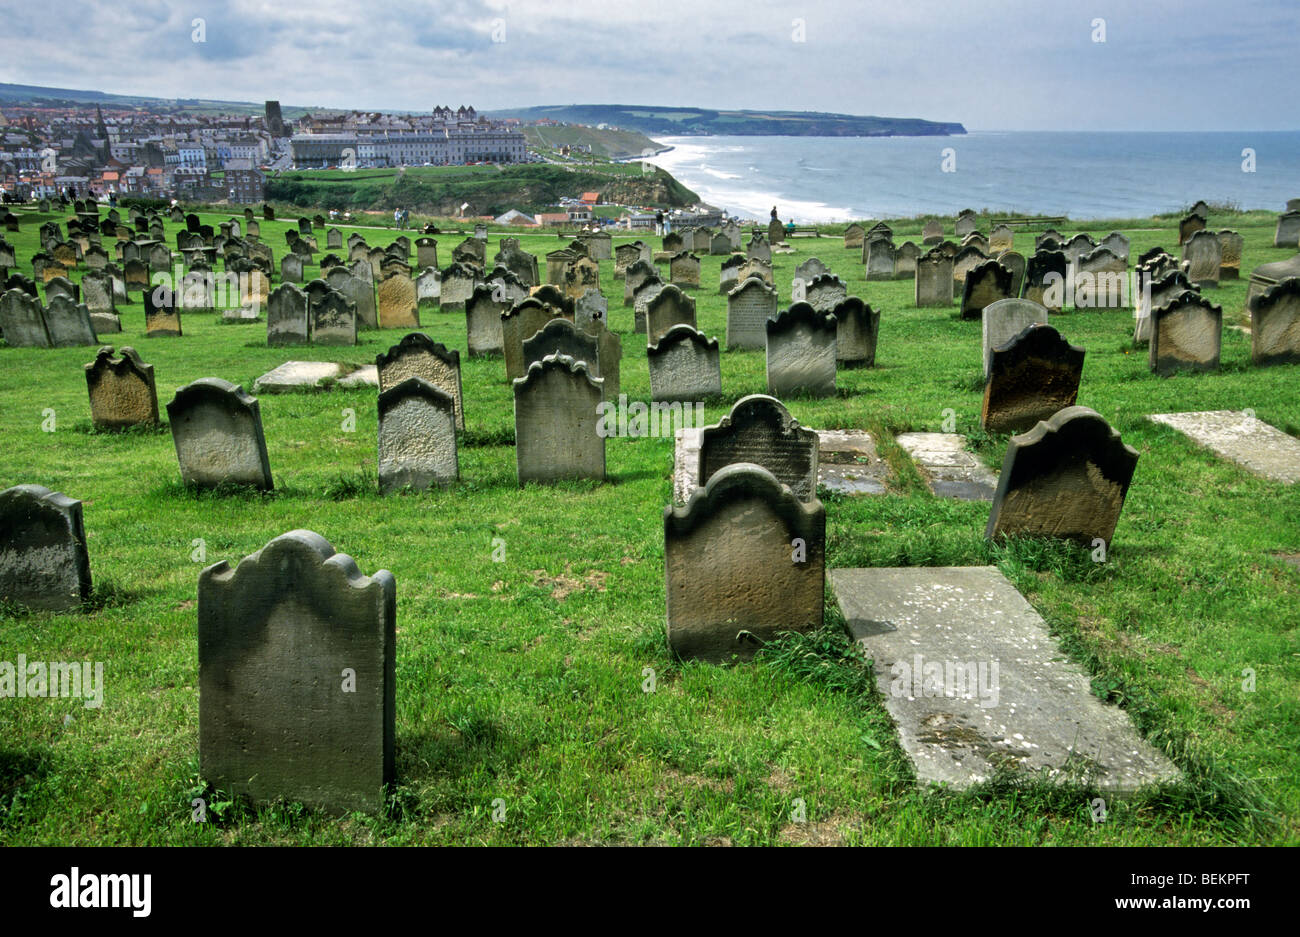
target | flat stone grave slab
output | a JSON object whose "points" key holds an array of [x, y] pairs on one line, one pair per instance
{"points": [[1240, 437], [368, 375], [847, 463], [295, 375], [974, 682], [949, 469]]}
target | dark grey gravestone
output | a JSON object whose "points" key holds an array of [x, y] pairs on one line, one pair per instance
{"points": [[759, 429], [297, 657], [43, 558]]}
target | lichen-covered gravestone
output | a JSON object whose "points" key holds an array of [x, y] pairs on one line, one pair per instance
{"points": [[759, 429], [297, 658], [1186, 335], [744, 561], [217, 430], [333, 318], [1203, 255], [684, 365], [749, 306], [398, 304], [801, 351], [162, 315], [1066, 478], [43, 559], [417, 436], [522, 321], [1275, 324], [22, 320], [557, 410], [121, 390], [417, 355], [1031, 376]]}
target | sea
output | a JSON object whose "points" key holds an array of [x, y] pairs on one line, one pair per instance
{"points": [[1072, 174]]}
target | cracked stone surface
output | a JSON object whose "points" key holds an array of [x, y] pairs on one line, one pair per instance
{"points": [[293, 375], [974, 682], [1238, 436], [949, 469]]}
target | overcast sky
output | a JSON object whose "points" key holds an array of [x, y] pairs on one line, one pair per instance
{"points": [[991, 65]]}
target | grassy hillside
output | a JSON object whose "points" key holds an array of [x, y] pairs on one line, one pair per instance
{"points": [[489, 190], [522, 679], [610, 144]]}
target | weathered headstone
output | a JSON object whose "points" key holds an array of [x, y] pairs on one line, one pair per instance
{"points": [[217, 430], [162, 314], [1203, 255], [1275, 324], [745, 561], [760, 429], [879, 257], [1004, 320], [853, 236], [333, 318], [932, 233], [749, 306], [1100, 280], [1001, 238], [301, 618], [801, 352], [44, 563], [666, 309], [291, 268], [934, 280], [557, 411], [417, 436], [856, 334], [1186, 334], [68, 323], [428, 287], [1189, 226], [360, 290], [591, 306], [521, 321], [1045, 279], [483, 312], [985, 284], [684, 365], [286, 316], [121, 390], [398, 306], [1066, 478], [1287, 233], [823, 292], [1231, 244], [22, 320], [417, 355], [1031, 376]]}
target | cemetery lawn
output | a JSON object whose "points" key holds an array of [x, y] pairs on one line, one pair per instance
{"points": [[523, 680]]}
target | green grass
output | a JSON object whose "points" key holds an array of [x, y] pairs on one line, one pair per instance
{"points": [[522, 680]]}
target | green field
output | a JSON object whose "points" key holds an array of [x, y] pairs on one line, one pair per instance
{"points": [[522, 680]]}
